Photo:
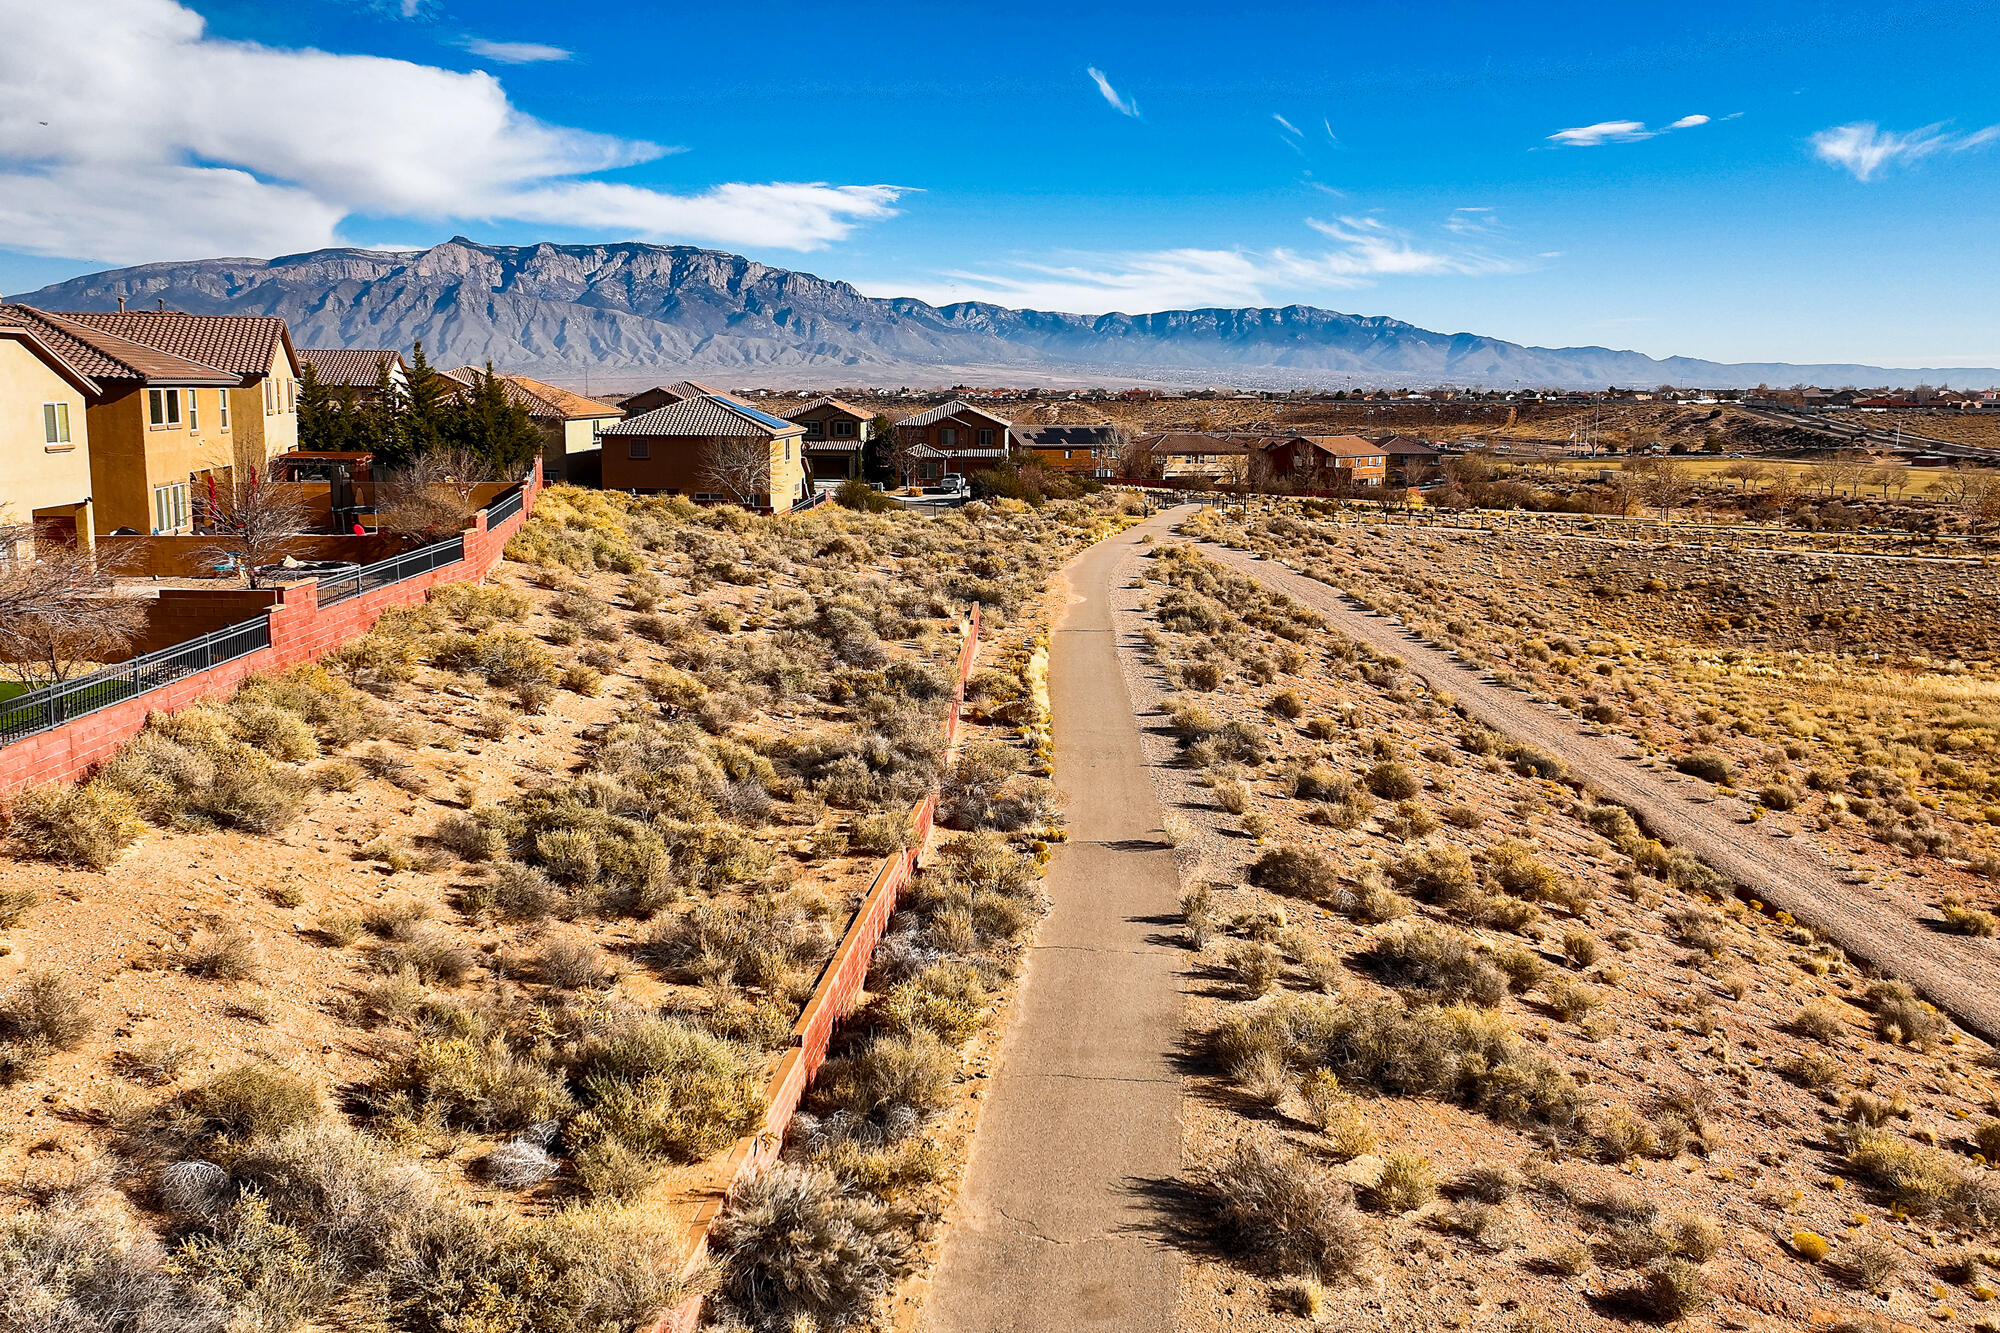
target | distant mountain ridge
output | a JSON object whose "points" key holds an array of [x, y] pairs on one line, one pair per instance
{"points": [[629, 310]]}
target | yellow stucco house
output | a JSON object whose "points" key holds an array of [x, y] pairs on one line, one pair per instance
{"points": [[569, 423], [183, 402], [44, 440]]}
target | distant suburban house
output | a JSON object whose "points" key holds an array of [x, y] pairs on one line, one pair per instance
{"points": [[713, 449], [1192, 456], [663, 395], [1408, 457], [356, 368], [569, 422], [1091, 450], [164, 426], [1316, 462], [836, 433], [952, 437], [44, 441]]}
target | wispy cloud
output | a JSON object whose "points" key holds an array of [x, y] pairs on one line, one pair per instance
{"points": [[1865, 150], [1118, 104], [1621, 131], [1472, 220], [1289, 127], [1364, 250], [1328, 126], [171, 150], [513, 53]]}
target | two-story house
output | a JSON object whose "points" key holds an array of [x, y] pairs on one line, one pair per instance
{"points": [[713, 449], [1326, 462], [357, 368], [836, 434], [1089, 450], [160, 426], [951, 437], [663, 395], [44, 441], [262, 411]]}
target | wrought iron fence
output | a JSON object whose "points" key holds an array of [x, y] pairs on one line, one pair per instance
{"points": [[393, 570], [52, 705], [504, 507]]}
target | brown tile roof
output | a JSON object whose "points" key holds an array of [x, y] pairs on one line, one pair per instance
{"points": [[107, 356], [955, 407], [47, 355], [1340, 446], [1065, 437], [680, 391], [711, 414], [817, 403], [1188, 442], [541, 400], [356, 366], [239, 344]]}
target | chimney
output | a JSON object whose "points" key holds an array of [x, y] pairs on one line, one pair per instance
{"points": [[121, 305], [163, 305]]}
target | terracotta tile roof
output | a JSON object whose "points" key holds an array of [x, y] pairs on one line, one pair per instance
{"points": [[355, 366], [107, 356], [952, 409], [680, 391], [240, 344], [1065, 437], [541, 400], [709, 414]]}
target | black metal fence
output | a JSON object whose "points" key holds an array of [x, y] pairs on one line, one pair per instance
{"points": [[393, 570], [52, 705], [505, 505]]}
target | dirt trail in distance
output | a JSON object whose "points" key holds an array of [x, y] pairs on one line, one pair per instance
{"points": [[1959, 974]]}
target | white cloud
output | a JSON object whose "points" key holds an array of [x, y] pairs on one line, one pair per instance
{"points": [[1472, 220], [1289, 127], [1366, 249], [1865, 150], [1622, 131], [514, 53], [1604, 131], [181, 145], [1118, 104]]}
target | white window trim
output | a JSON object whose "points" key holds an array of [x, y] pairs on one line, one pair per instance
{"points": [[55, 425], [194, 409], [222, 414], [169, 403]]}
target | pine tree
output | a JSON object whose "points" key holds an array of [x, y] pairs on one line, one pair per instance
{"points": [[319, 431], [426, 411], [489, 423]]}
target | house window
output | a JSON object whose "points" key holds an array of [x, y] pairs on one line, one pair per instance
{"points": [[986, 437], [844, 428], [291, 395], [222, 409], [788, 451], [163, 407], [170, 507], [55, 424], [639, 449], [270, 397], [948, 436], [194, 409]]}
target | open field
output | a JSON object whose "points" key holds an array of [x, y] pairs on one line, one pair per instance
{"points": [[1469, 1049], [1975, 428], [1908, 482], [421, 983]]}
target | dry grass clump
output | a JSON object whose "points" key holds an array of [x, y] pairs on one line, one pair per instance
{"points": [[83, 825], [41, 1015], [1922, 1181], [1276, 1212], [1441, 963], [797, 1250]]}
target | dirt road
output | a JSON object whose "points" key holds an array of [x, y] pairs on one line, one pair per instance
{"points": [[1085, 1099], [1959, 974]]}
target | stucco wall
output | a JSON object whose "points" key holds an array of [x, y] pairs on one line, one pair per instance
{"points": [[32, 476]]}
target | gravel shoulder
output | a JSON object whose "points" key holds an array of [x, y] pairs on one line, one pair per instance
{"points": [[1960, 975]]}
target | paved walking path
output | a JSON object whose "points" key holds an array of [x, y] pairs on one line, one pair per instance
{"points": [[1959, 974], [1085, 1100]]}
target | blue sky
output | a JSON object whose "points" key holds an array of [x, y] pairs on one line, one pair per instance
{"points": [[1767, 182]]}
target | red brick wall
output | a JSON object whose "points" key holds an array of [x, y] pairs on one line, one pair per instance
{"points": [[301, 631]]}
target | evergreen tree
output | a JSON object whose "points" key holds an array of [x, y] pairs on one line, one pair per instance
{"points": [[319, 430], [383, 428], [487, 422], [426, 414]]}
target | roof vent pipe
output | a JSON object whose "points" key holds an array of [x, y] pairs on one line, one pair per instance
{"points": [[163, 305], [121, 305]]}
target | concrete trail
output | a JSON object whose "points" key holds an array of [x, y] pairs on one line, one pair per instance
{"points": [[1085, 1099], [1959, 974]]}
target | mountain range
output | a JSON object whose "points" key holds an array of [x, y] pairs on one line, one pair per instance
{"points": [[631, 313]]}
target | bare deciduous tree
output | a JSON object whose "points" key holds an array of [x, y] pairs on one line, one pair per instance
{"points": [[1665, 482], [432, 495], [738, 466], [250, 521], [59, 608], [1744, 471]]}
